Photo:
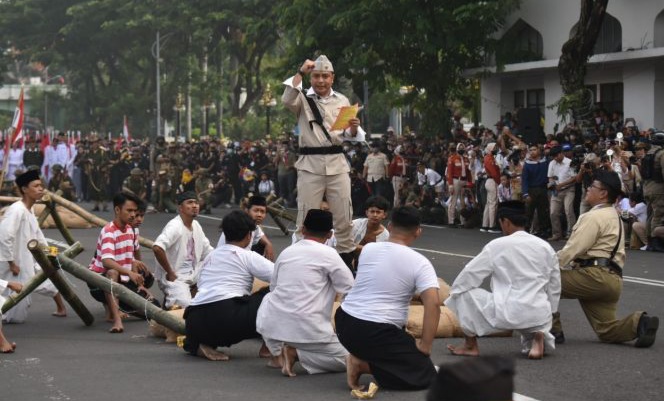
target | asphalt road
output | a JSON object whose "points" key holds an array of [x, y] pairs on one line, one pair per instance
{"points": [[61, 359]]}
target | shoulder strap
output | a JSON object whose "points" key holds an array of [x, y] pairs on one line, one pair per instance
{"points": [[317, 115], [615, 248]]}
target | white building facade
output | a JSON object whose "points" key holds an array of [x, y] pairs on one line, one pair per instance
{"points": [[626, 72]]}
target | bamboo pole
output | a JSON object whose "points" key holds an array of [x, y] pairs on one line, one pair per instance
{"points": [[8, 199], [65, 290], [124, 294], [37, 279], [281, 213], [43, 215], [96, 220], [64, 230]]}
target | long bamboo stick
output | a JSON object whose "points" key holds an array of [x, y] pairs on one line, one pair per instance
{"points": [[124, 294], [37, 279], [65, 290]]}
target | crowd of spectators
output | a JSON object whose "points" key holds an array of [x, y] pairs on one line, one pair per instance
{"points": [[455, 179]]}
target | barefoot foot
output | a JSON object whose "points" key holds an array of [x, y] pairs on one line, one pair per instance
{"points": [[59, 314], [275, 362], [289, 357], [462, 351], [264, 352], [207, 352], [354, 371], [537, 349], [7, 347]]}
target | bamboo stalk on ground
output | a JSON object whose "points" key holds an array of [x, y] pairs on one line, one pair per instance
{"points": [[65, 290], [124, 294], [37, 279]]}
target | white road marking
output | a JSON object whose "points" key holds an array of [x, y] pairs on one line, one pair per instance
{"points": [[630, 279]]}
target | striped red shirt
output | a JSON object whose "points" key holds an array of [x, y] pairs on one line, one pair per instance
{"points": [[114, 243]]}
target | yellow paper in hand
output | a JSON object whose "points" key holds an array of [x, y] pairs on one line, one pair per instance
{"points": [[343, 119]]}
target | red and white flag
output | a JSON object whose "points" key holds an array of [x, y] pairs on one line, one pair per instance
{"points": [[125, 130], [17, 123]]}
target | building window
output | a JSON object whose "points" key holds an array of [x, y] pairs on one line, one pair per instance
{"points": [[535, 98], [521, 43], [609, 39], [611, 97], [519, 99]]}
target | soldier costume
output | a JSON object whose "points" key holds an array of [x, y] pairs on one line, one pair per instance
{"points": [[596, 252]]}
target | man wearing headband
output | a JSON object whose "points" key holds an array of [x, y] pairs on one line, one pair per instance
{"points": [[525, 283], [17, 227], [295, 318], [322, 169], [596, 253], [180, 249]]}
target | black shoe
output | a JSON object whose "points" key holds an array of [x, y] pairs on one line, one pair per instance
{"points": [[646, 331], [559, 337]]}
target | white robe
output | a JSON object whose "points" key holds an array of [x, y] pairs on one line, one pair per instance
{"points": [[15, 162], [173, 240], [525, 289], [359, 230], [17, 227], [298, 310]]}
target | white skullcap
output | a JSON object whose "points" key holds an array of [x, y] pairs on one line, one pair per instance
{"points": [[323, 64]]}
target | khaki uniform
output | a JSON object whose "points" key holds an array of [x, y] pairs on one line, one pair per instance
{"points": [[62, 185], [321, 175], [136, 185], [654, 194], [98, 175], [203, 188], [164, 198], [597, 288]]}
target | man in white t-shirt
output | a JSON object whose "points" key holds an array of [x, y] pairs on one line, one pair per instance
{"points": [[295, 318], [370, 321], [223, 312], [180, 249]]}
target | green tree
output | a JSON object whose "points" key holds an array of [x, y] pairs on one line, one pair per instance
{"points": [[426, 44]]}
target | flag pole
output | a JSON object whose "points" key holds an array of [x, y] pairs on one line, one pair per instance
{"points": [[5, 158]]}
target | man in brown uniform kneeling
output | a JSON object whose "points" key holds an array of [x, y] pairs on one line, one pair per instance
{"points": [[596, 253]]}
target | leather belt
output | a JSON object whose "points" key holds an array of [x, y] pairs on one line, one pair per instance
{"points": [[323, 150], [599, 262]]}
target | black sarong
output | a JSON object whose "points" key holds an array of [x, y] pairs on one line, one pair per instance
{"points": [[222, 323], [391, 353]]}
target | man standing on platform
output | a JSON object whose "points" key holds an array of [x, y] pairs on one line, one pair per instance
{"points": [[321, 167]]}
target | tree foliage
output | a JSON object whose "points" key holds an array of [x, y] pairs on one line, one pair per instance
{"points": [[419, 43], [222, 52]]}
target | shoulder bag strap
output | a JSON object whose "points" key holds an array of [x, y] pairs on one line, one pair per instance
{"points": [[317, 115]]}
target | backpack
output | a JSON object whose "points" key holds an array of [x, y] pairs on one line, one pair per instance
{"points": [[648, 169]]}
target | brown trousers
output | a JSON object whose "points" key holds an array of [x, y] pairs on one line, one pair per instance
{"points": [[598, 292]]}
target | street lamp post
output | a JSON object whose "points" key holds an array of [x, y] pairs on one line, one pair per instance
{"points": [[156, 49], [46, 98], [268, 101], [179, 107], [207, 106]]}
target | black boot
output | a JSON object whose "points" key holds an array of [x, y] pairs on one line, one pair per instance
{"points": [[348, 257]]}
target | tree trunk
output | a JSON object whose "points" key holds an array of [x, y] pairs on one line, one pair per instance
{"points": [[575, 54]]}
